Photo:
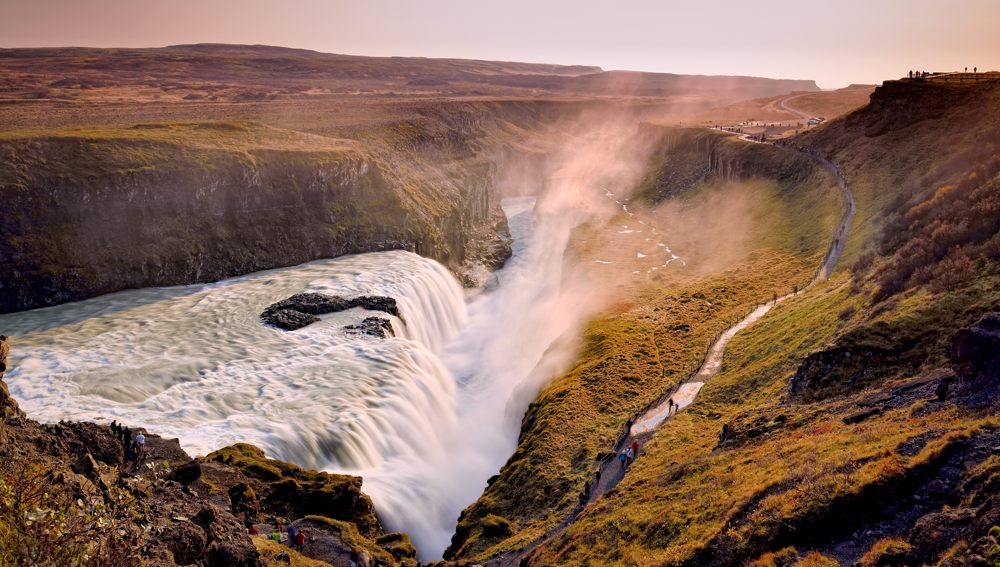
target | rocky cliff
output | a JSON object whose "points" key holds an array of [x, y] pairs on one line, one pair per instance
{"points": [[688, 156], [88, 213]]}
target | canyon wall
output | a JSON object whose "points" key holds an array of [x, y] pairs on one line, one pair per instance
{"points": [[91, 212]]}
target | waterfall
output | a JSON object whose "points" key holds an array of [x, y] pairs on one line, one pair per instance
{"points": [[196, 363]]}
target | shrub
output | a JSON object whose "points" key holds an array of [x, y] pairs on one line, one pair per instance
{"points": [[496, 526], [847, 312], [42, 522], [817, 559], [887, 553]]}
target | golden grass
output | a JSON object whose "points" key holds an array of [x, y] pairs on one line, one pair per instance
{"points": [[270, 549], [685, 493]]}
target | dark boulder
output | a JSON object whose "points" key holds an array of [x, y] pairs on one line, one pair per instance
{"points": [[187, 473], [8, 407], [312, 303], [243, 501], [377, 303], [975, 350], [185, 541], [235, 553], [288, 319], [934, 533], [85, 438], [373, 326], [398, 544]]}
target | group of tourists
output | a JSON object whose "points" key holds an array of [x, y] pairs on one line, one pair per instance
{"points": [[293, 536], [627, 457], [924, 74], [134, 449]]}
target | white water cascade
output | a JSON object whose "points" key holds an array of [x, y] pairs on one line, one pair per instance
{"points": [[425, 417], [195, 362]]}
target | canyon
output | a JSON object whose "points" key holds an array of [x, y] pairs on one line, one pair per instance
{"points": [[552, 250]]}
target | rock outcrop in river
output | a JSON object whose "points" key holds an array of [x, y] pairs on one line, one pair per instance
{"points": [[302, 309]]}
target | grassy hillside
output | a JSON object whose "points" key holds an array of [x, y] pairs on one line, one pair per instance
{"points": [[837, 449]]}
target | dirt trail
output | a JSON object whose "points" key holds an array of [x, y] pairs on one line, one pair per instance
{"points": [[611, 471], [785, 106]]}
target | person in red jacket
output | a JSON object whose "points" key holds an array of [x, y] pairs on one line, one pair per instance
{"points": [[300, 540]]}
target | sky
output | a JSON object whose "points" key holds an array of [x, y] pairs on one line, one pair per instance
{"points": [[835, 42]]}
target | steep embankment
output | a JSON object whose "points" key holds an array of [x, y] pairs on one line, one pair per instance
{"points": [[656, 334], [102, 209], [855, 422], [70, 495]]}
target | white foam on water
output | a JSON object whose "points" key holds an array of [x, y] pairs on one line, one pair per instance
{"points": [[425, 417]]}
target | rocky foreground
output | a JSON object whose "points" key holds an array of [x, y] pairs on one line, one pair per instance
{"points": [[69, 496]]}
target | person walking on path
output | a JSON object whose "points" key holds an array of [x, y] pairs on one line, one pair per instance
{"points": [[293, 535], [629, 456], [127, 442], [140, 446], [670, 407], [635, 448], [621, 459], [300, 540]]}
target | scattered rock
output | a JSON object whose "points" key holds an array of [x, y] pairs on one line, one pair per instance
{"points": [[286, 490], [243, 501], [187, 473], [975, 352], [236, 553], [373, 326], [398, 544], [186, 542], [8, 407], [288, 319], [936, 532], [85, 466], [859, 416]]}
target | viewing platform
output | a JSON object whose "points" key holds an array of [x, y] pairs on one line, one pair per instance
{"points": [[955, 78]]}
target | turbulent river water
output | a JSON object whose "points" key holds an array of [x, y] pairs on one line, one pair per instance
{"points": [[425, 417]]}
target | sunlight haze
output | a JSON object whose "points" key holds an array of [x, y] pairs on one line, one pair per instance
{"points": [[835, 43]]}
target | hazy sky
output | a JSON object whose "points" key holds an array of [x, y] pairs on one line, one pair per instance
{"points": [[836, 42]]}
